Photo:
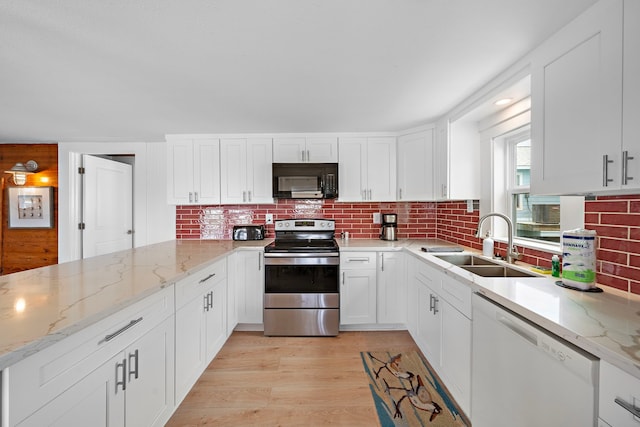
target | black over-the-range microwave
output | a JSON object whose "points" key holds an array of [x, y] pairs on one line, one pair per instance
{"points": [[305, 180]]}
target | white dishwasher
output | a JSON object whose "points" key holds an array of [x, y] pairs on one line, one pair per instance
{"points": [[524, 376]]}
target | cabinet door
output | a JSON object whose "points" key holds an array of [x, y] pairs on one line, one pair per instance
{"points": [[429, 316], [232, 293], [412, 297], [441, 161], [191, 358], [381, 168], [392, 288], [456, 354], [93, 401], [631, 93], [233, 171], [415, 174], [259, 171], [322, 150], [206, 170], [150, 377], [289, 150], [576, 104], [352, 169], [216, 319], [250, 279], [358, 297], [180, 172]]}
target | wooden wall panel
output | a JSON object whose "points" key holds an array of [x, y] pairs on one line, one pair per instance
{"points": [[23, 249]]}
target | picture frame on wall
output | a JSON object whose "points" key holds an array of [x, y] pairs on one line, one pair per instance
{"points": [[30, 207]]}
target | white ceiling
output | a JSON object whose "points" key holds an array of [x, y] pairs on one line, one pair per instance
{"points": [[135, 70]]}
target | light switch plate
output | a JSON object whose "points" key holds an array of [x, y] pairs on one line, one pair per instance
{"points": [[377, 218], [268, 218]]}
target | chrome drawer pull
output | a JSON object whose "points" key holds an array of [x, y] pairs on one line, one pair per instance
{"points": [[109, 337], [628, 406], [207, 278]]}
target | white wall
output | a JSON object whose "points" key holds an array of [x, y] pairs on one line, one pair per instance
{"points": [[153, 219]]}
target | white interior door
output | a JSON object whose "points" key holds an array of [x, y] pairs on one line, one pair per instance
{"points": [[106, 206]]}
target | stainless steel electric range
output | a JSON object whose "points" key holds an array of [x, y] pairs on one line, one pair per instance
{"points": [[302, 279]]}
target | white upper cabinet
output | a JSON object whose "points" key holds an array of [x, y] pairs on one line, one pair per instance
{"points": [[630, 174], [456, 161], [576, 82], [245, 167], [305, 150], [415, 171], [193, 171], [367, 169]]}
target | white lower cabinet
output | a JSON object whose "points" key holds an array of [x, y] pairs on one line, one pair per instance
{"points": [[391, 288], [440, 323], [358, 293], [249, 279], [201, 303], [619, 397], [133, 387]]}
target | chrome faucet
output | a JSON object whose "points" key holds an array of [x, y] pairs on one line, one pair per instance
{"points": [[512, 253]]}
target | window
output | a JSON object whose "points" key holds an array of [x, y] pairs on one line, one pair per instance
{"points": [[534, 217]]}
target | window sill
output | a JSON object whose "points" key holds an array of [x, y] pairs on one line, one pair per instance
{"points": [[552, 248]]}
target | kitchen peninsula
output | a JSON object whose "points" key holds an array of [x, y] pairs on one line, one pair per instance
{"points": [[50, 307]]}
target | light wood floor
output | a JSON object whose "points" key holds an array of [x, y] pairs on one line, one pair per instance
{"points": [[288, 381]]}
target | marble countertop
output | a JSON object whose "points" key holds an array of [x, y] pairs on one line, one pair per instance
{"points": [[42, 306], [605, 324]]}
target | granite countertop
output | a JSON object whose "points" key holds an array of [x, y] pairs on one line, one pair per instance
{"points": [[42, 306]]}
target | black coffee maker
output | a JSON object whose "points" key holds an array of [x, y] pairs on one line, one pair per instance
{"points": [[389, 229]]}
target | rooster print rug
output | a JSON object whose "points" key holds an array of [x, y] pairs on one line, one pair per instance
{"points": [[407, 392]]}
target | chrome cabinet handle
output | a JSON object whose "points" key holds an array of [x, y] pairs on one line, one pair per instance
{"points": [[205, 302], [625, 167], [259, 261], [134, 372], [122, 383], [430, 302], [302, 151], [190, 197], [210, 303], [343, 278], [207, 278], [605, 170], [111, 336], [249, 193], [382, 263], [435, 305], [244, 196], [364, 194], [400, 194], [195, 196], [444, 190], [369, 195], [628, 406], [308, 156]]}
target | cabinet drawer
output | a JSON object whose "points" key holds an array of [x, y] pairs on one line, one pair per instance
{"points": [[357, 260], [193, 285], [457, 294], [617, 384], [39, 378]]}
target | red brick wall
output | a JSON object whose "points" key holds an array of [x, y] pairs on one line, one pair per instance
{"points": [[415, 219], [615, 218]]}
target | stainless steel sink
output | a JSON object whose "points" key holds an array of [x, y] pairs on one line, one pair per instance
{"points": [[466, 259], [484, 267], [497, 271]]}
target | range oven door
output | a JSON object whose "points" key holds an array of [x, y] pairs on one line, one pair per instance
{"points": [[317, 274], [302, 296]]}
